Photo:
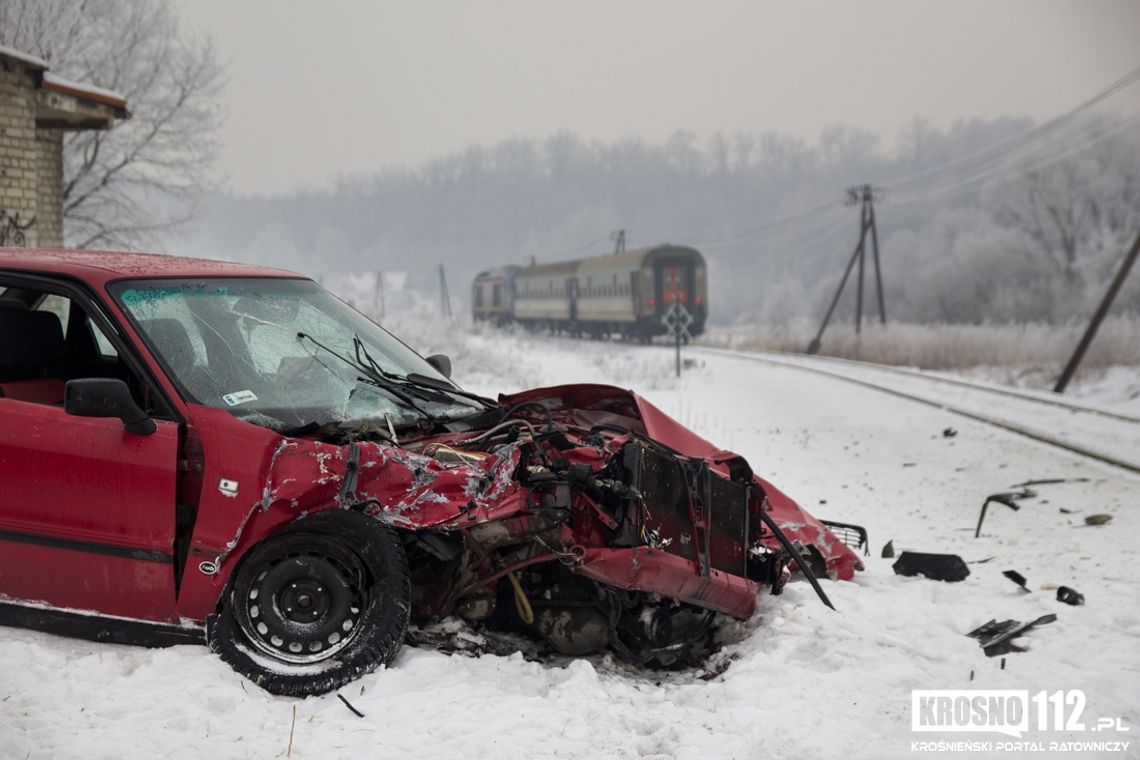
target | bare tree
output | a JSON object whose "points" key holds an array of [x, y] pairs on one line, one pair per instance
{"points": [[126, 186], [1083, 207]]}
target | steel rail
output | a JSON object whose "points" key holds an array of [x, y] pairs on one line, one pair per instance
{"points": [[1014, 393], [1001, 424]]}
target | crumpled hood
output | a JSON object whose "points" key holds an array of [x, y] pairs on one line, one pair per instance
{"points": [[595, 404]]}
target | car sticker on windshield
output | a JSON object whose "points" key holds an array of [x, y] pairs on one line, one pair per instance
{"points": [[240, 397]]}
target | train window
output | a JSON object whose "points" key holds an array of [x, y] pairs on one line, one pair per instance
{"points": [[478, 296], [496, 295]]}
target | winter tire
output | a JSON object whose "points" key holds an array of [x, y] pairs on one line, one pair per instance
{"points": [[322, 602]]}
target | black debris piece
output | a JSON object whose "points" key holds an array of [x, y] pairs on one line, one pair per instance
{"points": [[1070, 596], [1017, 578], [949, 432], [348, 704], [1049, 482], [1008, 498], [889, 549], [1100, 519], [997, 638], [1066, 511], [937, 567]]}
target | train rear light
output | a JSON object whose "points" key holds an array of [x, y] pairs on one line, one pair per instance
{"points": [[697, 300], [652, 301]]}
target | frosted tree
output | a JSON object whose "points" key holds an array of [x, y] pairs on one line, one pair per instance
{"points": [[126, 186], [1080, 211]]}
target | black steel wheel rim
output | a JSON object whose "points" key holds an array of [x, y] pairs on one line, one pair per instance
{"points": [[305, 606]]}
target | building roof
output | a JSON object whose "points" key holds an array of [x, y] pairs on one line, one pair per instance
{"points": [[85, 91], [100, 267], [31, 61], [64, 104]]}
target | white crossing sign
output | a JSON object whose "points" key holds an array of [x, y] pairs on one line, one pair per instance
{"points": [[677, 320]]}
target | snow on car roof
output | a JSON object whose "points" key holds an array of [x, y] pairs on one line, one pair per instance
{"points": [[104, 266]]}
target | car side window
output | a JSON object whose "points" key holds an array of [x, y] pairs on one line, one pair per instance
{"points": [[102, 343], [57, 305], [47, 339]]}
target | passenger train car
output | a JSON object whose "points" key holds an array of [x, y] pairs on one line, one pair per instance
{"points": [[624, 294]]}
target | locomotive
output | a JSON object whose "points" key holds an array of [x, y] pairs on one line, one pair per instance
{"points": [[624, 294]]}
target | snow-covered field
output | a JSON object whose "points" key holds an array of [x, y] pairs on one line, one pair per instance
{"points": [[803, 681]]}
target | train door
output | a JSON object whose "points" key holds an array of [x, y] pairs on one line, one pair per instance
{"points": [[572, 298], [676, 284]]}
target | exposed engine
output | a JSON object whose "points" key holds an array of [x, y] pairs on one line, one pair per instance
{"points": [[603, 486]]}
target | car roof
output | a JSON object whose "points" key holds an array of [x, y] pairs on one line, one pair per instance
{"points": [[100, 267]]}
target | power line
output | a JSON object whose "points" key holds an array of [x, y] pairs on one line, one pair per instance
{"points": [[579, 248], [984, 160], [1037, 157], [988, 153]]}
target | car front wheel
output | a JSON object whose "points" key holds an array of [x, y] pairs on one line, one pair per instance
{"points": [[322, 602]]}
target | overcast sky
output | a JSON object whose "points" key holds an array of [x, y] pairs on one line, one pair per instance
{"points": [[322, 89]]}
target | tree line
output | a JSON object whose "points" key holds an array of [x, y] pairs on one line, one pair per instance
{"points": [[1033, 238]]}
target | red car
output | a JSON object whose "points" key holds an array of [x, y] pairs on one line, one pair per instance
{"points": [[193, 450]]}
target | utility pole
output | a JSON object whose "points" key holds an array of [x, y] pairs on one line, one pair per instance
{"points": [[379, 304], [1098, 317], [619, 240], [444, 298], [865, 196]]}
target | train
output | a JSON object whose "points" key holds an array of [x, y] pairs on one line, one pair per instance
{"points": [[625, 294]]}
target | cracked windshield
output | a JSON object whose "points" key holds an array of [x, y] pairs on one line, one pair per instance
{"points": [[286, 354]]}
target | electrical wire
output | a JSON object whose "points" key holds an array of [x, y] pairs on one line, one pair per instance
{"points": [[989, 152], [985, 164]]}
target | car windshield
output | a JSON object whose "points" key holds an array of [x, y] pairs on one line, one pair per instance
{"points": [[285, 353]]}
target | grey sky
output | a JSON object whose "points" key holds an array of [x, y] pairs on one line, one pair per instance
{"points": [[322, 89]]}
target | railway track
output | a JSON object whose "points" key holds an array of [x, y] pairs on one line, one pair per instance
{"points": [[1085, 443], [1014, 393]]}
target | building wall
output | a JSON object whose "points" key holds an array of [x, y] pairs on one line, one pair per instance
{"points": [[20, 154], [49, 193], [31, 163]]}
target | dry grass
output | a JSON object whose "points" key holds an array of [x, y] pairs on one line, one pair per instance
{"points": [[950, 347]]}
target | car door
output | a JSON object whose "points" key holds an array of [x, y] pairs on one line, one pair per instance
{"points": [[87, 509]]}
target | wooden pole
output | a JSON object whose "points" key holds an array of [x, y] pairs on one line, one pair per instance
{"points": [[862, 259], [444, 298], [813, 347], [1098, 317], [878, 270], [380, 294]]}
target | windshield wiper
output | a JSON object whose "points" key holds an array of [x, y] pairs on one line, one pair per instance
{"points": [[373, 375], [414, 379]]}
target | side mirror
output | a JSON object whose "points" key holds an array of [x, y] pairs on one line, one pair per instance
{"points": [[442, 364], [106, 397]]}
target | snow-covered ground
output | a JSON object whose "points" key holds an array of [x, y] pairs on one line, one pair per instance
{"points": [[803, 681], [1117, 386], [1090, 423]]}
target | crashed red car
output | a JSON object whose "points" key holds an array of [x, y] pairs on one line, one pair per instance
{"points": [[201, 451]]}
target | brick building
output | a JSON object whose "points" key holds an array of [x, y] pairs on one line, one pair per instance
{"points": [[36, 107]]}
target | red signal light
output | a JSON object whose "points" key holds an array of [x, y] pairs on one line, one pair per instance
{"points": [[652, 301]]}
